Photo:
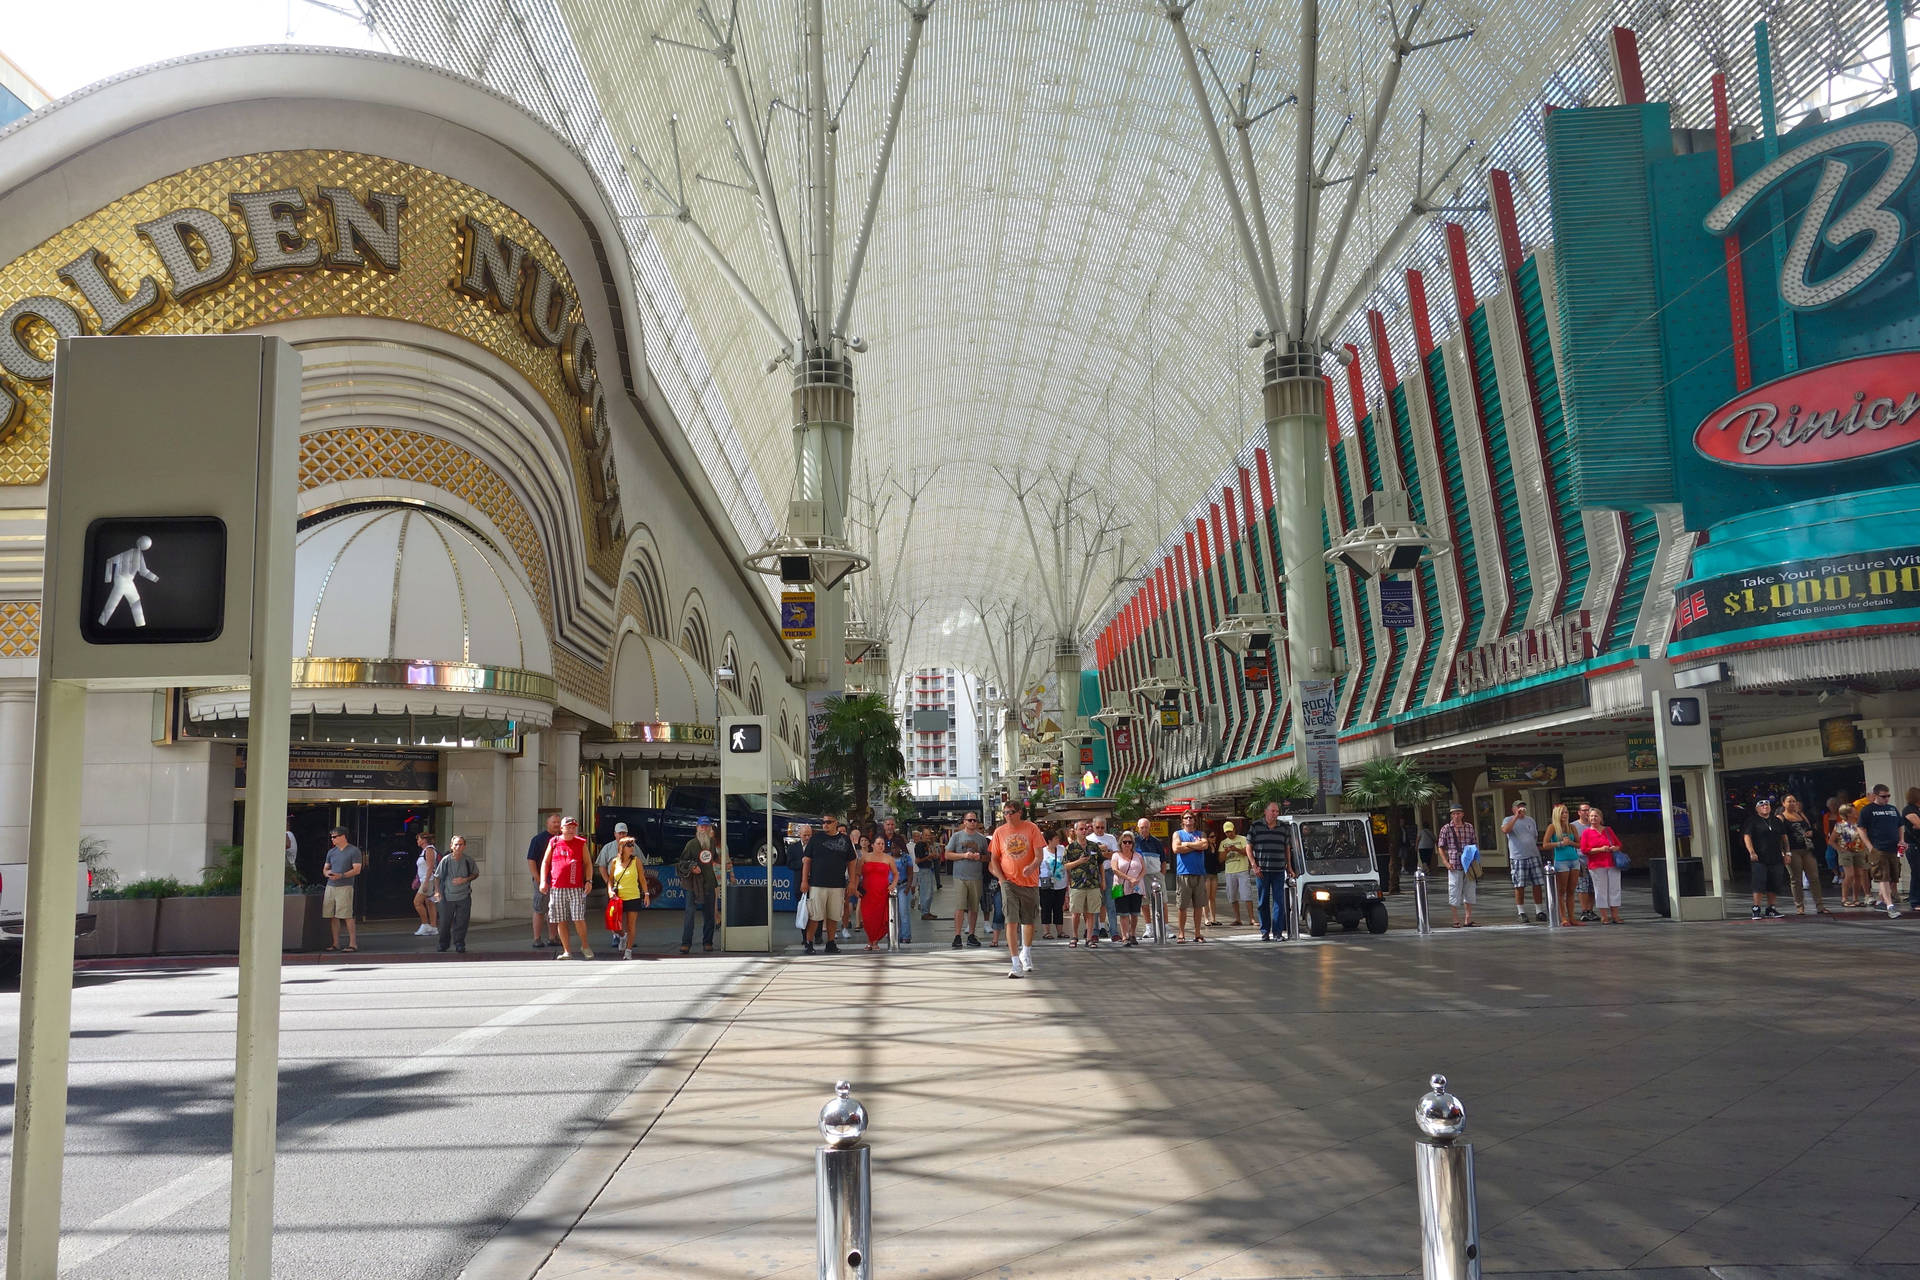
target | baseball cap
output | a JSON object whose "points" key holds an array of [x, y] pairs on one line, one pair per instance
{"points": [[1226, 826], [1458, 808], [704, 821], [619, 828]]}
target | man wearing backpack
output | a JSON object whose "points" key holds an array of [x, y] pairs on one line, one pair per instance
{"points": [[1462, 890]]}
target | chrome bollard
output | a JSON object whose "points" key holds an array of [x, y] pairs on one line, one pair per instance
{"points": [[1553, 899], [1422, 922], [843, 1190], [1157, 906], [1443, 1165]]}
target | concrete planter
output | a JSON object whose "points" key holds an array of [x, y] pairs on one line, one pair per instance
{"points": [[122, 927], [196, 926]]}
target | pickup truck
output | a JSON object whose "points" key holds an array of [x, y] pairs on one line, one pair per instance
{"points": [[13, 911], [662, 833]]}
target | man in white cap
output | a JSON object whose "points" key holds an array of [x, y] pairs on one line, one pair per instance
{"points": [[603, 867]]}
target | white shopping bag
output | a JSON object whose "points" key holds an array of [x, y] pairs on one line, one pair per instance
{"points": [[800, 914]]}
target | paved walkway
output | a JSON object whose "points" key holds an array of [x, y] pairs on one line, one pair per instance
{"points": [[1658, 1098]]}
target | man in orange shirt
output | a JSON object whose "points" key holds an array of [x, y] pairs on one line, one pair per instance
{"points": [[1014, 853]]}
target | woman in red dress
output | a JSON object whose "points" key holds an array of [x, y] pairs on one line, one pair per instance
{"points": [[876, 890]]}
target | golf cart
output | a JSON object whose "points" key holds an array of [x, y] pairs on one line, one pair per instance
{"points": [[1335, 874]]}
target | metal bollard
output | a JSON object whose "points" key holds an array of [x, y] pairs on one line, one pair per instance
{"points": [[843, 1190], [1553, 899], [1157, 906], [1443, 1165], [1423, 923]]}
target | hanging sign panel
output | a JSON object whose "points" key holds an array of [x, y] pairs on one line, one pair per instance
{"points": [[797, 615], [1396, 603], [1319, 720]]}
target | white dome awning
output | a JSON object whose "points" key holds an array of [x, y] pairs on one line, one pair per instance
{"points": [[399, 610], [663, 704]]}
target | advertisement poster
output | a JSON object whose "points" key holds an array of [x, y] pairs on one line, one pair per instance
{"points": [[816, 723], [1856, 589], [1525, 771], [1840, 736], [1642, 755], [330, 769], [1319, 722]]}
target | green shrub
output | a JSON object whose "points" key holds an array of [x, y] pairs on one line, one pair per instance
{"points": [[153, 887]]}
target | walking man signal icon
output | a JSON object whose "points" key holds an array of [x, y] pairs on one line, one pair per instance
{"points": [[121, 572], [744, 739]]}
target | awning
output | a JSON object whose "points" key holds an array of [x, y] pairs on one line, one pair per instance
{"points": [[663, 705], [399, 611]]}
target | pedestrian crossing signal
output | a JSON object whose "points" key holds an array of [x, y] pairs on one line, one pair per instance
{"points": [[744, 739], [154, 580]]}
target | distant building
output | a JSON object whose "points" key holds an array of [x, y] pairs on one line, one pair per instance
{"points": [[943, 724], [19, 95]]}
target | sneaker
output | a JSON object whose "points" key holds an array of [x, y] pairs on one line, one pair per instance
{"points": [[972, 941], [1026, 959], [586, 953], [1756, 913], [626, 953], [1771, 914], [833, 949], [1266, 937], [1540, 917], [956, 942], [420, 932], [1893, 912], [807, 945], [564, 955], [1013, 971]]}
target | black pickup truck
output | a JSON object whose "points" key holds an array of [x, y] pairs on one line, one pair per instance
{"points": [[662, 833]]}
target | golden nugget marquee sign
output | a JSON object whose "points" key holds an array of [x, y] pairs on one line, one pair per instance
{"points": [[336, 233]]}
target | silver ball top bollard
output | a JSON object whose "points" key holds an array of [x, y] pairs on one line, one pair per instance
{"points": [[843, 1122], [1439, 1114]]}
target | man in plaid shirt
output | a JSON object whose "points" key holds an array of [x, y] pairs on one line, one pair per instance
{"points": [[1462, 891]]}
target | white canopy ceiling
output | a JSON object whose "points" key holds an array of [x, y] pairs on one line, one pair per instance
{"points": [[1053, 280]]}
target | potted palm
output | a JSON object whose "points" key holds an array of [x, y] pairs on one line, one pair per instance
{"points": [[1136, 797], [860, 741], [1291, 791], [1391, 787]]}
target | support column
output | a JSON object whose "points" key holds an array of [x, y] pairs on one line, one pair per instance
{"points": [[1892, 754], [823, 406], [479, 790], [16, 760], [1294, 400], [562, 746]]}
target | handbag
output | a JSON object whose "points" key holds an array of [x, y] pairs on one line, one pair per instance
{"points": [[800, 913], [616, 913]]}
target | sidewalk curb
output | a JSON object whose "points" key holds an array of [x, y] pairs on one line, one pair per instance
{"points": [[524, 1242]]}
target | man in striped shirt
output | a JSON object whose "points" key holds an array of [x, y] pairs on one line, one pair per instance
{"points": [[1272, 860]]}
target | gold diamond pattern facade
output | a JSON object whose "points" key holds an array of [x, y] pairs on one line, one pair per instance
{"points": [[19, 628], [420, 292]]}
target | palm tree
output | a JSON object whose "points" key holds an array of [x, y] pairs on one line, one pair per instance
{"points": [[1137, 797], [1289, 790], [1391, 785], [859, 742], [815, 796]]}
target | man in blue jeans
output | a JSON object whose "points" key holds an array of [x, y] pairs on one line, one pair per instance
{"points": [[1272, 860]]}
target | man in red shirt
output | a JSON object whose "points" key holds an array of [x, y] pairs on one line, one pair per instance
{"points": [[1014, 854], [563, 878]]}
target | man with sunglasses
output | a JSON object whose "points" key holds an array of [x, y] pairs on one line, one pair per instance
{"points": [[823, 880], [967, 852]]}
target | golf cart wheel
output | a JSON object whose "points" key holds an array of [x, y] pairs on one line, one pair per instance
{"points": [[1376, 917], [1349, 924], [1316, 922]]}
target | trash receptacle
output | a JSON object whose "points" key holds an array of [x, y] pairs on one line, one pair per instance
{"points": [[1693, 882]]}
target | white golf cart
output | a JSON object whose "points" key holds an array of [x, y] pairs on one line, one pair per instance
{"points": [[1336, 878]]}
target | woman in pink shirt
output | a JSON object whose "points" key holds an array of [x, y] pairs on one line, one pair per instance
{"points": [[563, 878], [1605, 858]]}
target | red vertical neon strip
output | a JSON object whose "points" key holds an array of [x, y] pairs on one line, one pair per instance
{"points": [[1266, 481], [1493, 560], [1627, 80], [1736, 280], [1510, 251], [1333, 416], [1356, 391], [1422, 322], [1382, 354]]}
